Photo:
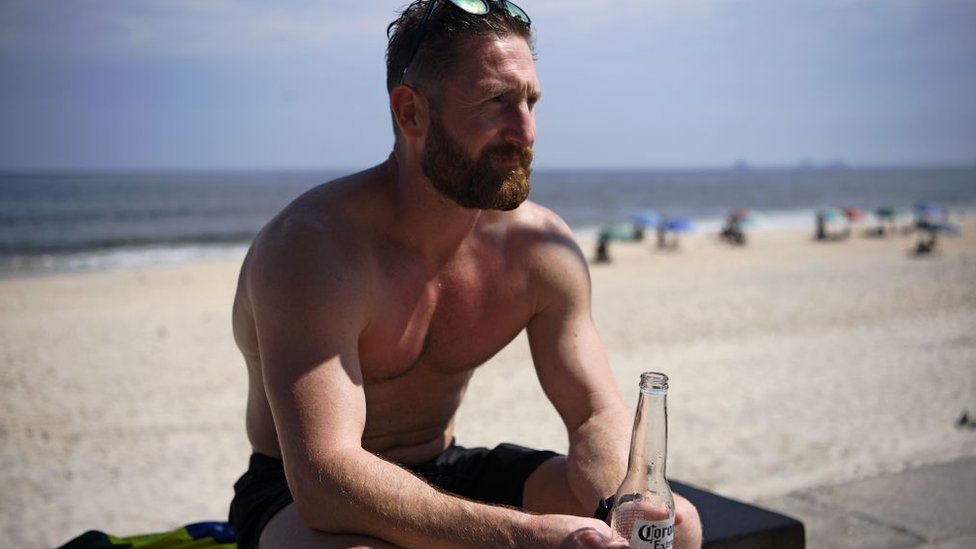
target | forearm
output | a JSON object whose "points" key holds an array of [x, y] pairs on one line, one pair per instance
{"points": [[598, 451], [358, 493]]}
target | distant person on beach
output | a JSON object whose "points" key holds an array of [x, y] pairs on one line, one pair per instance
{"points": [[823, 218], [662, 235], [732, 230], [364, 307], [927, 240], [930, 220], [602, 249]]}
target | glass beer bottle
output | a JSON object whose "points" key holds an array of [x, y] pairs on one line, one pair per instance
{"points": [[643, 511]]}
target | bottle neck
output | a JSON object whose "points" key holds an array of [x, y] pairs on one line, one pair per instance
{"points": [[649, 441]]}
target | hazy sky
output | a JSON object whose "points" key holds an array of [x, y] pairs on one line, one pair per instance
{"points": [[627, 83]]}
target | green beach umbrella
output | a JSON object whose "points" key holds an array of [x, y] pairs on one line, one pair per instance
{"points": [[830, 214], [619, 231], [885, 212]]}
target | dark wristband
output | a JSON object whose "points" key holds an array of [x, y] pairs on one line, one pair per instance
{"points": [[603, 509]]}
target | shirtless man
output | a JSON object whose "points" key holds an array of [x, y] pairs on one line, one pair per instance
{"points": [[365, 306]]}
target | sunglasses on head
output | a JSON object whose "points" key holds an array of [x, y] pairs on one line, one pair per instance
{"points": [[474, 7]]}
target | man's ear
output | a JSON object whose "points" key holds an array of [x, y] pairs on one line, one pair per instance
{"points": [[410, 110]]}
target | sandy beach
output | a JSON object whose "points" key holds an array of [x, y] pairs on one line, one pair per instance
{"points": [[793, 364]]}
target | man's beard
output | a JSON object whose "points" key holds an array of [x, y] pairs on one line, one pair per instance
{"points": [[475, 183]]}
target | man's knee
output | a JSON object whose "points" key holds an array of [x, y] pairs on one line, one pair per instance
{"points": [[688, 534], [547, 490], [287, 531]]}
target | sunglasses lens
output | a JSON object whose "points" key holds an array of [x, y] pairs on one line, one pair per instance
{"points": [[482, 7], [474, 7], [518, 13]]}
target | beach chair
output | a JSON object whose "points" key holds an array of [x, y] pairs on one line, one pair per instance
{"points": [[199, 535]]}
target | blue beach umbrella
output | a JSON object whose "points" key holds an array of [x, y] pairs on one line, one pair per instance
{"points": [[680, 225], [674, 226], [929, 209], [945, 229], [926, 243], [646, 218]]}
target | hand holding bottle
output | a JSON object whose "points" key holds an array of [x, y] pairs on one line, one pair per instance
{"points": [[571, 532], [592, 538]]}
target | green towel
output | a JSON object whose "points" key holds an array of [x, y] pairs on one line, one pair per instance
{"points": [[199, 535]]}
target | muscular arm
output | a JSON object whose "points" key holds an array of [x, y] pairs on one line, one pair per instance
{"points": [[308, 292], [572, 367]]}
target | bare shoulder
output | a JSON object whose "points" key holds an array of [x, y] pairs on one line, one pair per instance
{"points": [[541, 234], [321, 240], [546, 247]]}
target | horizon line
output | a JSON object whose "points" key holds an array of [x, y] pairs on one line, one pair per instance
{"points": [[731, 166]]}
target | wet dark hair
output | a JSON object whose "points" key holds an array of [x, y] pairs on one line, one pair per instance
{"points": [[447, 29]]}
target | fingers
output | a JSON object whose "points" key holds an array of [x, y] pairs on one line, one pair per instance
{"points": [[590, 538], [584, 537], [682, 508]]}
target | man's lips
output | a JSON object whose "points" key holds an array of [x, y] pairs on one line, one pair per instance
{"points": [[512, 157], [513, 160]]}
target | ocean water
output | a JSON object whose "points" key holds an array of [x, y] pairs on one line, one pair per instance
{"points": [[88, 220]]}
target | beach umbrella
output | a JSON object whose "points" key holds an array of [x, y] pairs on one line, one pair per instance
{"points": [[830, 214], [853, 214], [619, 231], [886, 216], [947, 229], [680, 225], [739, 214], [646, 218], [926, 243], [929, 209], [674, 226], [885, 212], [744, 216]]}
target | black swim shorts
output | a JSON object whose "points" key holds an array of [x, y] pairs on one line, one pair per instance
{"points": [[489, 475]]}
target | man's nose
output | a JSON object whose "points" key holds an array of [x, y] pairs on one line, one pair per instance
{"points": [[520, 126]]}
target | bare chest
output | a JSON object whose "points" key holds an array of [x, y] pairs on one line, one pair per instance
{"points": [[447, 325]]}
